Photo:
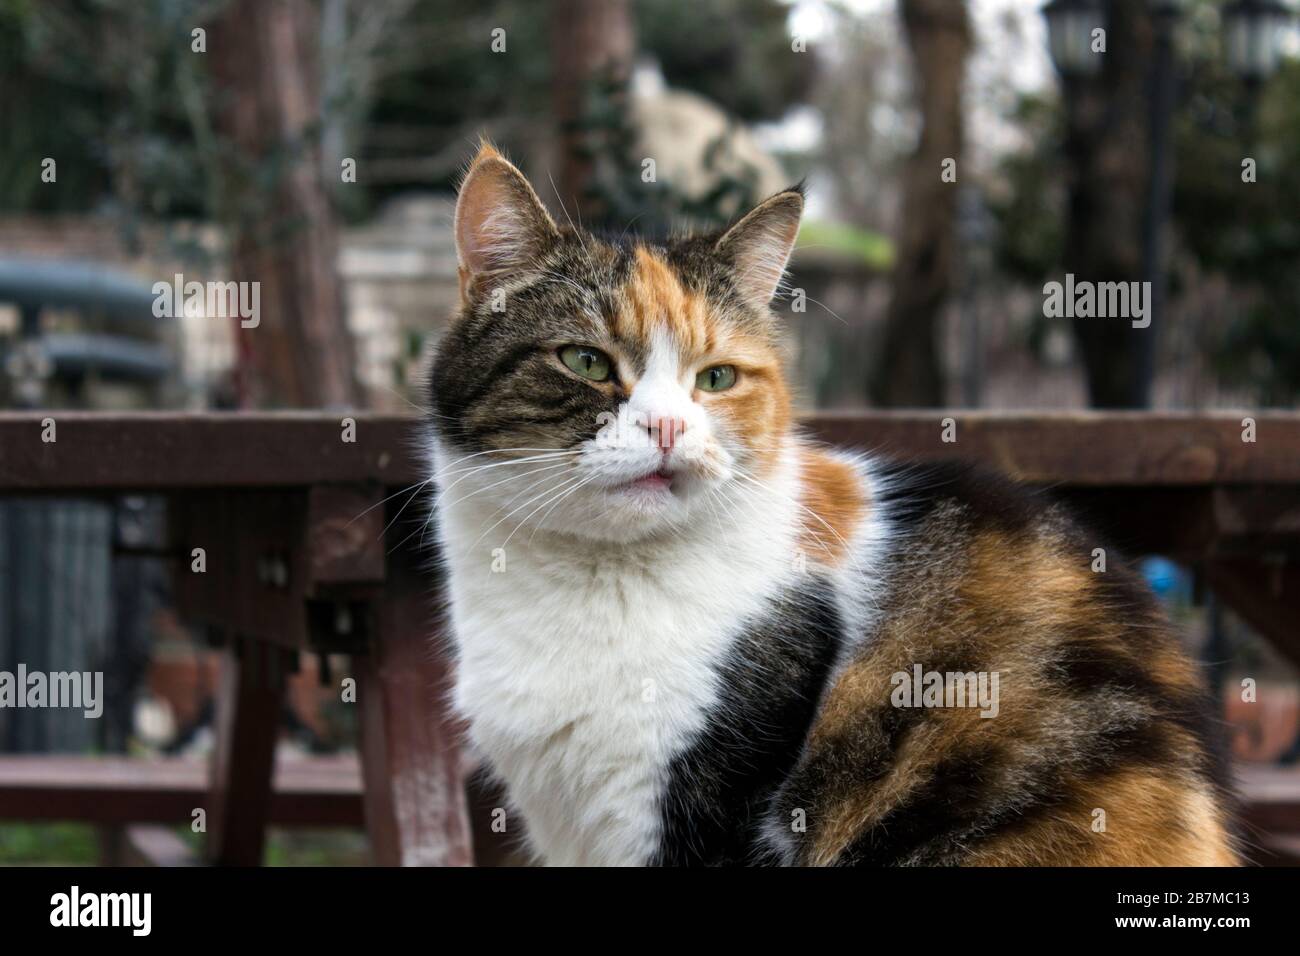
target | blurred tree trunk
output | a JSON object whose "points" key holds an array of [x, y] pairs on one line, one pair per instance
{"points": [[284, 236], [910, 372], [592, 41], [1108, 154]]}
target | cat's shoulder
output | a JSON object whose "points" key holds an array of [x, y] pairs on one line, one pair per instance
{"points": [[912, 493]]}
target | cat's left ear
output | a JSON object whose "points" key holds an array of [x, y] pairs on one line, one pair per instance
{"points": [[759, 245]]}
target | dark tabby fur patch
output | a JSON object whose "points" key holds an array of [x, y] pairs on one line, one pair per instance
{"points": [[1099, 709], [772, 682]]}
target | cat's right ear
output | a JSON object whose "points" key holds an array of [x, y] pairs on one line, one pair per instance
{"points": [[501, 225]]}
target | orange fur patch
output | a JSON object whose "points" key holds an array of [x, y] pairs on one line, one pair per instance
{"points": [[655, 299], [1151, 819], [834, 494]]}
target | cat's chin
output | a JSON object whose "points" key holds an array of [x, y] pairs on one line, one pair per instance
{"points": [[626, 514]]}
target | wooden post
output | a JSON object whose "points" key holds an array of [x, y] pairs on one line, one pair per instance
{"points": [[243, 762], [266, 63], [909, 370], [414, 784], [1108, 174], [589, 39]]}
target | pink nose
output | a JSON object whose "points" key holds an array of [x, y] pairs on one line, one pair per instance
{"points": [[666, 431]]}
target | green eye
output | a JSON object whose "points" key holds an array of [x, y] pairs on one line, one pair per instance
{"points": [[587, 362], [716, 379]]}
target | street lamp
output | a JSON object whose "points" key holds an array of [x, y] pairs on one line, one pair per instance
{"points": [[1252, 34], [1069, 33], [1169, 9]]}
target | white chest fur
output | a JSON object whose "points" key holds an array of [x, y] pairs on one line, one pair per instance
{"points": [[583, 669]]}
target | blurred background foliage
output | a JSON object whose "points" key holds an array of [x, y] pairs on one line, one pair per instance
{"points": [[111, 70], [406, 86], [735, 52], [1250, 236]]}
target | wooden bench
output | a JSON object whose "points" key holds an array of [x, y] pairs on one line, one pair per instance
{"points": [[1270, 798], [137, 802], [308, 792], [292, 522]]}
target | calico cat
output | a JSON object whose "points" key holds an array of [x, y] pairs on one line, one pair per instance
{"points": [[685, 634]]}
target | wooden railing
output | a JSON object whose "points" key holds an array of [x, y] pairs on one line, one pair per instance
{"points": [[291, 521]]}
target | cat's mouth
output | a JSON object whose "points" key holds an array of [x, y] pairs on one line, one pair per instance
{"points": [[660, 480]]}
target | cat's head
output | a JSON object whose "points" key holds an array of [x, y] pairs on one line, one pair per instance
{"points": [[607, 389]]}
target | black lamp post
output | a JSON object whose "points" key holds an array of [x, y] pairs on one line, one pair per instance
{"points": [[1164, 93], [1252, 31], [1252, 35], [1069, 30]]}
